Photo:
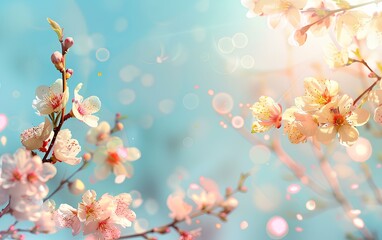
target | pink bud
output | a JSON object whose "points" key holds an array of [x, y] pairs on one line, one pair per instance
{"points": [[69, 73], [68, 42], [119, 126], [87, 156], [56, 58]]}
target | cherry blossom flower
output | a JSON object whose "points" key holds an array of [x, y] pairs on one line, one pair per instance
{"points": [[373, 32], [267, 115], [83, 109], [375, 96], [114, 157], [100, 134], [209, 195], [190, 235], [316, 15], [26, 207], [46, 223], [123, 215], [180, 210], [65, 148], [37, 137], [67, 218], [299, 125], [14, 168], [102, 229], [37, 174], [349, 25], [335, 57], [318, 93], [92, 210], [338, 118], [50, 99], [280, 10]]}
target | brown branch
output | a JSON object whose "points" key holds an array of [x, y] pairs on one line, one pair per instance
{"points": [[63, 182], [58, 128], [164, 229]]}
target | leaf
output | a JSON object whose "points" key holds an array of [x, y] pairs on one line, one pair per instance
{"points": [[342, 4], [56, 27]]}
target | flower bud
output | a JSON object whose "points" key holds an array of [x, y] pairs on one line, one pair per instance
{"points": [[76, 187], [69, 73], [119, 126], [58, 60], [68, 42], [86, 156]]}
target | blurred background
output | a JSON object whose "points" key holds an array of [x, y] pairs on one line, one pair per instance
{"points": [[185, 73]]}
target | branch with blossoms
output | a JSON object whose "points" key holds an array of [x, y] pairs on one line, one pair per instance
{"points": [[25, 174], [209, 202]]}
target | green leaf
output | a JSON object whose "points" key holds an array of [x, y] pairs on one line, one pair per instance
{"points": [[56, 27], [342, 4]]}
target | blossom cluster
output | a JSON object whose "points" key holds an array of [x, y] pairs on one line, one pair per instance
{"points": [[321, 114], [349, 20], [207, 198], [111, 155], [23, 180], [102, 218]]}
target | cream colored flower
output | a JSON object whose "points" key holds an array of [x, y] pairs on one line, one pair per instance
{"points": [[335, 57], [350, 24], [338, 118], [267, 114], [318, 93]]}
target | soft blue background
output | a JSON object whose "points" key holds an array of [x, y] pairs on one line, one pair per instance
{"points": [[167, 27]]}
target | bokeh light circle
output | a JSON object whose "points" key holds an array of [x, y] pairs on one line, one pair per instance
{"points": [[237, 122], [360, 151], [126, 96], [240, 40], [225, 45], [277, 227], [129, 72], [222, 103], [247, 61], [190, 101], [166, 106], [147, 80], [102, 54], [259, 154]]}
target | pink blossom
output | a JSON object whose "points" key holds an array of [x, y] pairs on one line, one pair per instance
{"points": [[123, 215], [67, 218], [91, 210], [267, 114], [114, 157], [50, 99], [37, 137], [83, 109], [102, 229], [65, 148], [180, 210]]}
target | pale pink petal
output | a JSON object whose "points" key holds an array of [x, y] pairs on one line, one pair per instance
{"points": [[102, 171], [378, 115], [326, 134], [348, 135], [361, 116]]}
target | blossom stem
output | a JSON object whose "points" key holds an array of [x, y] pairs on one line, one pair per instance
{"points": [[297, 170], [58, 128], [331, 178], [370, 181], [63, 182], [6, 209], [372, 85], [162, 229]]}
